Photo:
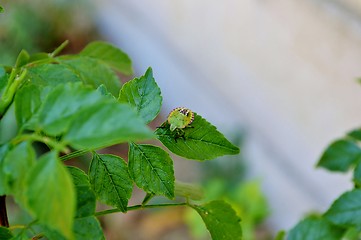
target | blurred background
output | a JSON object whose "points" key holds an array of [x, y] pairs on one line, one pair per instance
{"points": [[277, 77]]}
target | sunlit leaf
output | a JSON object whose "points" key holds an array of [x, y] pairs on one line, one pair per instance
{"points": [[152, 169]]}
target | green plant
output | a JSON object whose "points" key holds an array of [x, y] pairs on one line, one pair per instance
{"points": [[225, 178], [343, 218], [73, 105], [42, 25]]}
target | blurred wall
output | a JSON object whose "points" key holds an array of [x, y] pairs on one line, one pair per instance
{"points": [[284, 70]]}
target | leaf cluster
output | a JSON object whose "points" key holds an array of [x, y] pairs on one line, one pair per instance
{"points": [[342, 220], [75, 104]]}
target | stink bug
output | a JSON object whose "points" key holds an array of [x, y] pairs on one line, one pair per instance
{"points": [[180, 118]]}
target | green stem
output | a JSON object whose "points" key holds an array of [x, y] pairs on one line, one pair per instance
{"points": [[44, 139], [136, 207], [13, 227], [74, 154], [41, 61], [59, 49], [38, 236], [147, 198], [10, 90]]}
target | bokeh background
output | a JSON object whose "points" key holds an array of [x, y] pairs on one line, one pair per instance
{"points": [[277, 77]]}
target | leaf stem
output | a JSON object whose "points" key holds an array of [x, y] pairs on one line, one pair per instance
{"points": [[38, 236], [44, 139], [136, 207], [14, 82], [18, 227], [59, 49], [74, 154]]}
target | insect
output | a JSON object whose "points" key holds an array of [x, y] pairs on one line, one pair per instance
{"points": [[180, 118]]}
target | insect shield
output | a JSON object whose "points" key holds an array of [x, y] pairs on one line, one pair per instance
{"points": [[180, 118]]}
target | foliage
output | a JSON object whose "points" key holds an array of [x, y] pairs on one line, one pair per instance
{"points": [[226, 178], [75, 104], [42, 25], [343, 217]]}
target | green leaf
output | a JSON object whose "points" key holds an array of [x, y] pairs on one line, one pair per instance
{"points": [[280, 235], [1, 9], [144, 95], [5, 233], [63, 104], [40, 56], [86, 199], [106, 124], [50, 194], [110, 180], [340, 156], [355, 134], [152, 169], [189, 191], [21, 236], [351, 234], [88, 228], [94, 72], [357, 175], [16, 164], [221, 220], [51, 75], [201, 141], [109, 54], [3, 79], [51, 233], [23, 58], [102, 89], [27, 102], [346, 210], [4, 149], [315, 228]]}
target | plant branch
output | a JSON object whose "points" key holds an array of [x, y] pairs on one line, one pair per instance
{"points": [[137, 207], [59, 49], [44, 139], [14, 82]]}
